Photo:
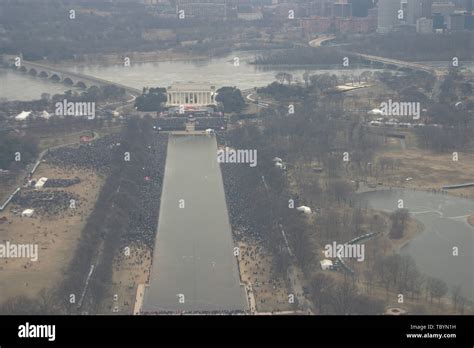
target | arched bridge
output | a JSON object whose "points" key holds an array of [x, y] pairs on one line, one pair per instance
{"points": [[67, 77], [400, 63]]}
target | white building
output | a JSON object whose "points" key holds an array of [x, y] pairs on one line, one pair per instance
{"points": [[326, 264], [191, 93], [424, 25]]}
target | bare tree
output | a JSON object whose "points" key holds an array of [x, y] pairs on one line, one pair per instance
{"points": [[456, 294], [322, 285], [399, 220], [343, 296], [436, 288]]}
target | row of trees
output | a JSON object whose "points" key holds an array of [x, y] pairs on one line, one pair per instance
{"points": [[304, 56], [399, 219], [152, 99], [231, 98], [400, 274], [332, 297], [281, 92], [48, 101], [416, 47], [444, 139]]}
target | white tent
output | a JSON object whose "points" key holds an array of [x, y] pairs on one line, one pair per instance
{"points": [[279, 165], [27, 212], [40, 183], [22, 115], [304, 209], [46, 115], [375, 112]]}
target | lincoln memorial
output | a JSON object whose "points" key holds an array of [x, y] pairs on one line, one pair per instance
{"points": [[191, 93]]}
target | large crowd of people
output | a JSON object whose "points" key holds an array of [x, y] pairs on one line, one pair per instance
{"points": [[211, 312], [169, 124], [216, 123], [238, 216], [97, 155], [61, 182], [47, 202], [144, 218]]}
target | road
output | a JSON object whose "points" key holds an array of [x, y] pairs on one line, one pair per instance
{"points": [[253, 98], [320, 40]]}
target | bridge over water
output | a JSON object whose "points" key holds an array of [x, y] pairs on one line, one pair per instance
{"points": [[400, 63], [382, 60], [61, 75]]}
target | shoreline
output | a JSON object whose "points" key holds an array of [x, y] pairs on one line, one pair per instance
{"points": [[365, 189], [470, 220], [415, 229]]}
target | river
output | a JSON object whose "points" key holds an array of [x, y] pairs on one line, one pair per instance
{"points": [[193, 254], [445, 227], [21, 86], [219, 71]]}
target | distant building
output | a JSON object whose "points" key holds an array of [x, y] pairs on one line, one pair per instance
{"points": [[321, 8], [415, 10], [456, 21], [373, 12], [469, 25], [202, 8], [424, 25], [387, 16], [438, 21], [426, 10], [445, 8], [418, 9], [469, 7], [315, 25], [361, 8], [342, 9], [355, 25], [191, 93]]}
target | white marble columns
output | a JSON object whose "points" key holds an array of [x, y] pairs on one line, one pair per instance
{"points": [[194, 98]]}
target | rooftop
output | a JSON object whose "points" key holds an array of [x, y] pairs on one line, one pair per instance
{"points": [[191, 86]]}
